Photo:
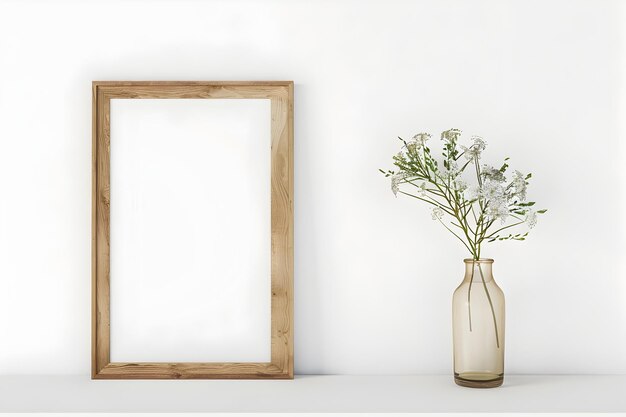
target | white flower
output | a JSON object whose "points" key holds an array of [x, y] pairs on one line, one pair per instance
{"points": [[479, 143], [460, 185], [497, 209], [470, 153], [518, 185], [449, 173], [490, 173], [475, 149], [397, 179], [531, 218], [473, 193], [421, 189], [492, 191], [437, 213], [493, 194], [451, 135], [420, 139], [395, 183]]}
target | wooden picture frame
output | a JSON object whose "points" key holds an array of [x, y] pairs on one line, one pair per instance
{"points": [[281, 96]]}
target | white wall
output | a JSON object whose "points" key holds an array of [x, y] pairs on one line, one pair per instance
{"points": [[540, 80]]}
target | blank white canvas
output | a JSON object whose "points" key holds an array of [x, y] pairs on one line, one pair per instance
{"points": [[190, 230]]}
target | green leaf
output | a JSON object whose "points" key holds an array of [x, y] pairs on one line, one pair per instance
{"points": [[542, 211]]}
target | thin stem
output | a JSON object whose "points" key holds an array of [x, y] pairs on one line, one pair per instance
{"points": [[462, 220], [434, 202], [457, 225], [479, 223], [469, 292], [469, 161], [493, 313], [467, 225], [431, 190], [480, 181], [457, 236], [474, 214], [425, 161], [485, 229], [501, 229]]}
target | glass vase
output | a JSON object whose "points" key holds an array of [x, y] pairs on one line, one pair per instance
{"points": [[478, 327]]}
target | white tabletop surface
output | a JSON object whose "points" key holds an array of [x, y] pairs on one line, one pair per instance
{"points": [[310, 393]]}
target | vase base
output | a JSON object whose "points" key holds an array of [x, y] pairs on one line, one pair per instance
{"points": [[478, 380]]}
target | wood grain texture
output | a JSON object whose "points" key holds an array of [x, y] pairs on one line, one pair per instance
{"points": [[94, 226], [192, 370], [100, 286], [282, 230], [281, 95]]}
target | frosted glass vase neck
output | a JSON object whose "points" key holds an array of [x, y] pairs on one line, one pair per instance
{"points": [[482, 265]]}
